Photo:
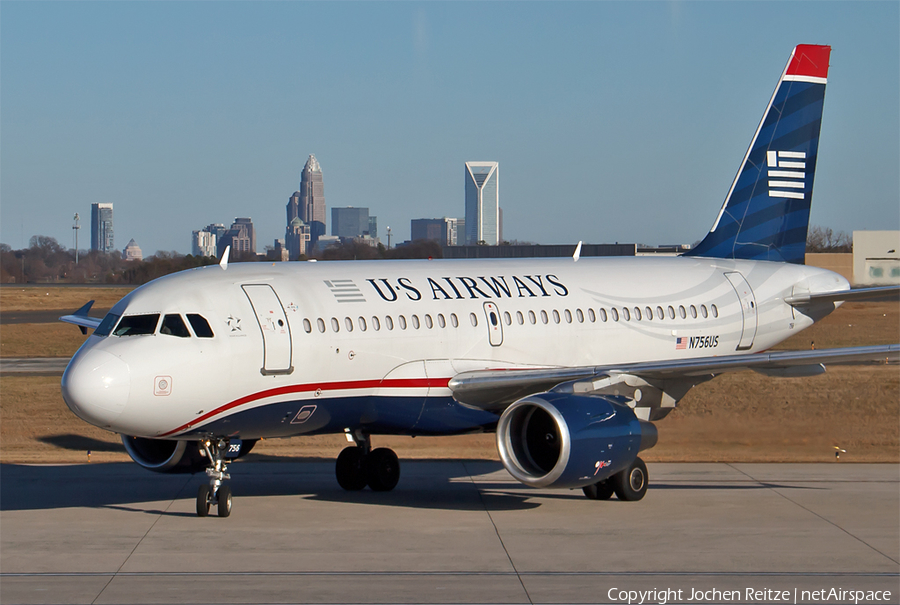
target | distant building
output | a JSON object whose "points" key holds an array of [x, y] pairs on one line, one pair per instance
{"points": [[441, 230], [309, 203], [241, 237], [203, 243], [102, 227], [876, 258], [278, 252], [351, 222], [296, 239], [217, 229], [326, 241], [538, 251], [132, 252], [482, 203], [373, 227]]}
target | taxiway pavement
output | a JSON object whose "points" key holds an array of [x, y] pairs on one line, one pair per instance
{"points": [[452, 532]]}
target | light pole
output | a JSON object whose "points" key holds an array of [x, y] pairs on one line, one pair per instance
{"points": [[389, 237], [75, 228]]}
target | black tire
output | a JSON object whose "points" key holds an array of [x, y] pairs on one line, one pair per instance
{"points": [[224, 498], [602, 490], [203, 500], [350, 469], [382, 470], [631, 484]]}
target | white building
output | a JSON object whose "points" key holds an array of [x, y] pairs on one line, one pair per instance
{"points": [[876, 258], [203, 243], [132, 252], [482, 203]]}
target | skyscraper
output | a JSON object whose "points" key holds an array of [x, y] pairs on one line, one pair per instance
{"points": [[102, 227], [441, 230], [241, 237], [350, 222], [482, 203], [309, 203]]}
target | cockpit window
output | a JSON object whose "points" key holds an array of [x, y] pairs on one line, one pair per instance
{"points": [[173, 325], [200, 325], [134, 325], [106, 325]]}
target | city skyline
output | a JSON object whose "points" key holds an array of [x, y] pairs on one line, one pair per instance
{"points": [[641, 114]]}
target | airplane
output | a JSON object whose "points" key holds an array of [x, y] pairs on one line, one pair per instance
{"points": [[569, 361]]}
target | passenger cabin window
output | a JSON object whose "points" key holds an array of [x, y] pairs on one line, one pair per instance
{"points": [[200, 325], [106, 325], [135, 325], [173, 325]]}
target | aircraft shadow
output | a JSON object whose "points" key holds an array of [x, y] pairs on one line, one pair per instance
{"points": [[438, 485], [125, 486], [80, 443]]}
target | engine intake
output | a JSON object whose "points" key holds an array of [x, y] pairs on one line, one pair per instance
{"points": [[164, 455], [565, 440]]}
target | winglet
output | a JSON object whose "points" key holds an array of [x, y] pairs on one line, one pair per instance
{"points": [[224, 262], [80, 318], [577, 254]]}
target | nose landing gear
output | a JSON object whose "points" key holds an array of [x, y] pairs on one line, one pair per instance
{"points": [[359, 465], [215, 493]]}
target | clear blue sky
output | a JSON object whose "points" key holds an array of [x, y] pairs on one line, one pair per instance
{"points": [[611, 121]]}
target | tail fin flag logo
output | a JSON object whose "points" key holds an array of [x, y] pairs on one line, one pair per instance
{"points": [[789, 168], [765, 215]]}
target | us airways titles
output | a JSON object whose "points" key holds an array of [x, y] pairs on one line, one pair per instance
{"points": [[459, 288]]}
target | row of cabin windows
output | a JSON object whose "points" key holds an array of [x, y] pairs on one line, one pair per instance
{"points": [[171, 325], [614, 314]]}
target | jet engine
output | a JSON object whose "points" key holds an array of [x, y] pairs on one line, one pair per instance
{"points": [[569, 441], [169, 456], [166, 456]]}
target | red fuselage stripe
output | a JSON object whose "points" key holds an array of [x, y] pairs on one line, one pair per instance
{"points": [[395, 383]]}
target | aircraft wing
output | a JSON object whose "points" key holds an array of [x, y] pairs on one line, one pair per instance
{"points": [[494, 390], [80, 318], [854, 295]]}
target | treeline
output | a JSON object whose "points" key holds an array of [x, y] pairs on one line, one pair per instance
{"points": [[46, 261]]}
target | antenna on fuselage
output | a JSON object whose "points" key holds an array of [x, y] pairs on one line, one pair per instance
{"points": [[577, 254], [224, 262]]}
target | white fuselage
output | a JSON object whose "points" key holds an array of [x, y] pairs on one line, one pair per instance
{"points": [[374, 343]]}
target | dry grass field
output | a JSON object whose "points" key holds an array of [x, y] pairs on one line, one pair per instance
{"points": [[737, 417]]}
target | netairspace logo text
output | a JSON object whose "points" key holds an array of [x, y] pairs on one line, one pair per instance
{"points": [[747, 595]]}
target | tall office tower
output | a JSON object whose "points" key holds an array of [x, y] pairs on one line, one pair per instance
{"points": [[296, 238], [217, 229], [373, 227], [102, 227], [482, 203], [241, 237], [459, 232], [251, 232], [349, 222], [293, 207], [311, 205], [441, 230], [203, 243]]}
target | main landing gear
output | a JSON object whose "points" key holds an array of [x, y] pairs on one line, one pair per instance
{"points": [[359, 465], [629, 484], [215, 493]]}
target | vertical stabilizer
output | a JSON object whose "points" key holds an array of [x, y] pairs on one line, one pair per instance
{"points": [[766, 212]]}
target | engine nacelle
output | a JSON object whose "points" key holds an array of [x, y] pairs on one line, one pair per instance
{"points": [[569, 441], [165, 455]]}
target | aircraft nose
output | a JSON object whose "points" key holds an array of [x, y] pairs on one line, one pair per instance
{"points": [[95, 386]]}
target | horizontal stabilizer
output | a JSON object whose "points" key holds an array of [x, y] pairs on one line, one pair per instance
{"points": [[857, 294]]}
